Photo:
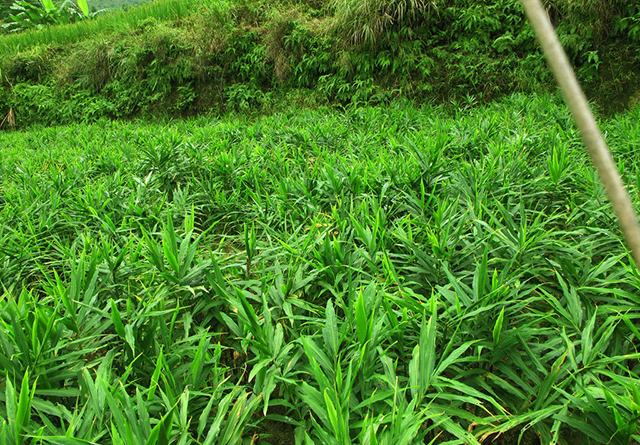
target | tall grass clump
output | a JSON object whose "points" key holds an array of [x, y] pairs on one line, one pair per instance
{"points": [[367, 22], [385, 274]]}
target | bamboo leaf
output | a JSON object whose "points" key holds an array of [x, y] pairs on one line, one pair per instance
{"points": [[82, 4], [330, 331], [587, 339], [497, 328], [332, 413], [48, 5], [361, 320], [117, 320], [23, 411]]}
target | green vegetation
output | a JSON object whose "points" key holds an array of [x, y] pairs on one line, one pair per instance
{"points": [[115, 23], [175, 58], [364, 266], [100, 5], [392, 275], [28, 16]]}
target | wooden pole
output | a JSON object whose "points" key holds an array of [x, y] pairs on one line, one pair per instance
{"points": [[591, 136]]}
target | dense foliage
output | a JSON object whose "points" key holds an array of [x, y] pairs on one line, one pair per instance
{"points": [[386, 275], [24, 15], [178, 58]]}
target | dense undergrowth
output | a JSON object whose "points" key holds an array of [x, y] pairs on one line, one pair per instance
{"points": [[181, 58], [391, 275]]}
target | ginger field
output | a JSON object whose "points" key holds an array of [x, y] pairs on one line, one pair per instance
{"points": [[391, 275]]}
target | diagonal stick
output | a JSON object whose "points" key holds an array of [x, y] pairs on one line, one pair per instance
{"points": [[591, 136]]}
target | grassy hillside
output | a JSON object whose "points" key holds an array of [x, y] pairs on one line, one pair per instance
{"points": [[98, 5], [391, 275], [175, 58]]}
